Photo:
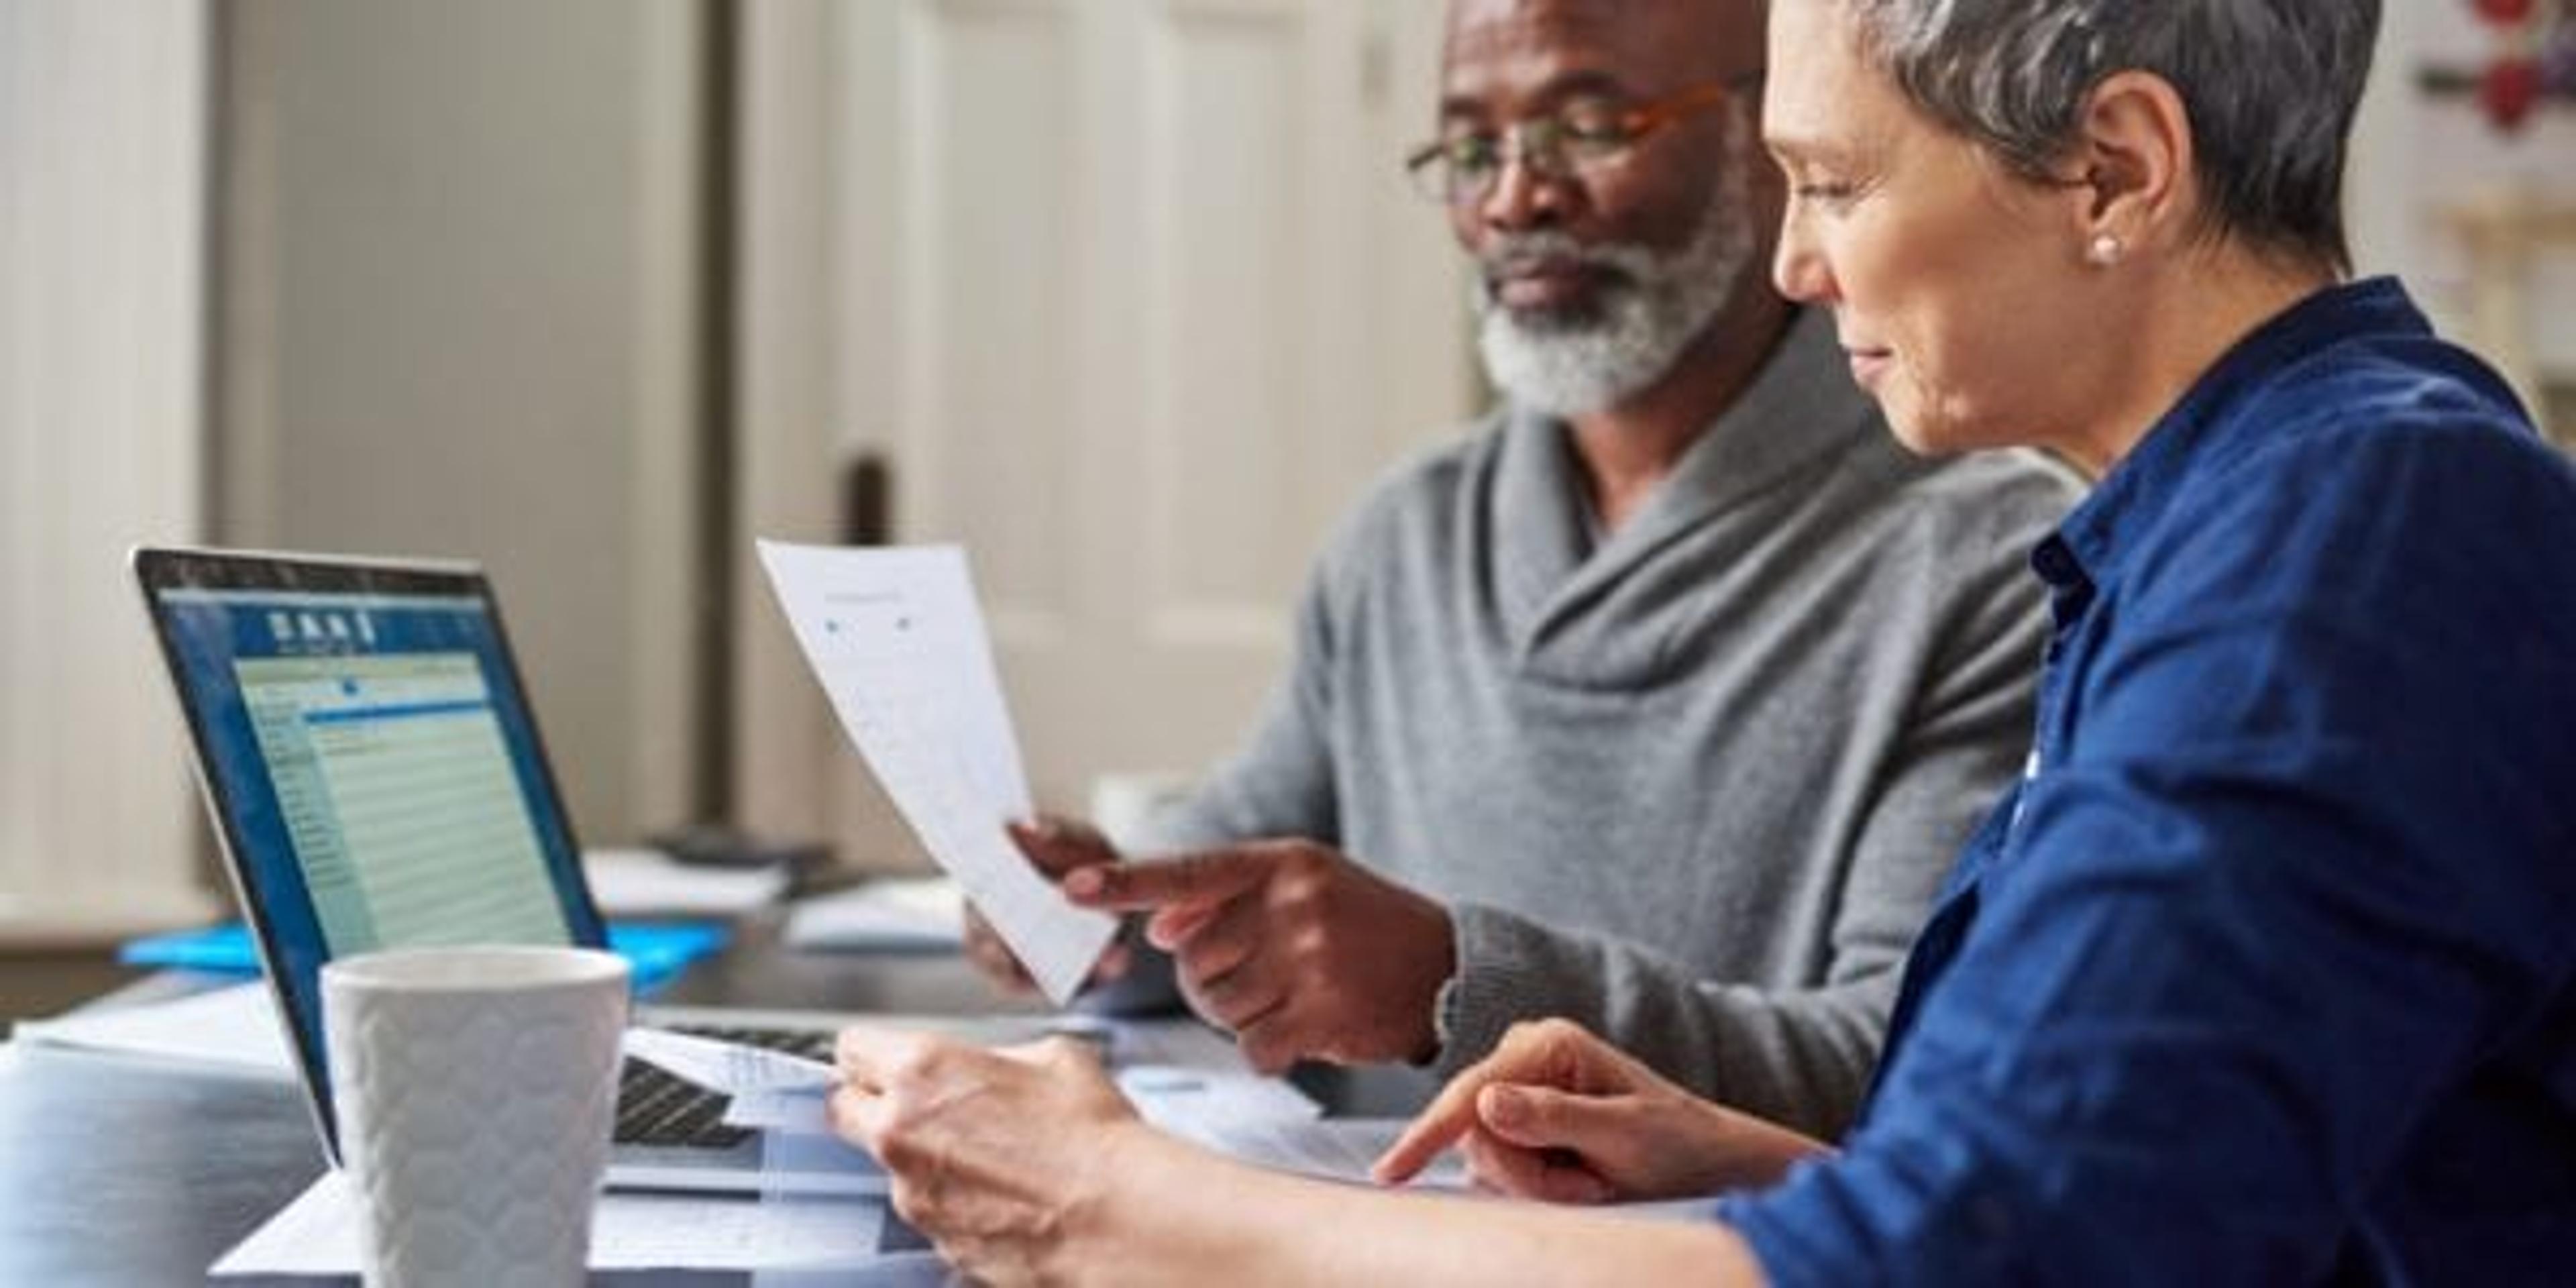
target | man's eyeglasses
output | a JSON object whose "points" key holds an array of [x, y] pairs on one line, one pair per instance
{"points": [[1580, 140]]}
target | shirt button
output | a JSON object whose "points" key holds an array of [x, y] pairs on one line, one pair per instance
{"points": [[2053, 562]]}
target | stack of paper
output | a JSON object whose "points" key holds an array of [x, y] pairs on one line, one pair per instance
{"points": [[225, 1030], [882, 915], [318, 1234], [1193, 1090], [1181, 1076], [636, 882]]}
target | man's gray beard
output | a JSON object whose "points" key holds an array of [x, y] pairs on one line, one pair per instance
{"points": [[1653, 304]]}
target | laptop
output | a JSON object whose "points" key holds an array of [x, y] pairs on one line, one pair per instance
{"points": [[373, 767]]}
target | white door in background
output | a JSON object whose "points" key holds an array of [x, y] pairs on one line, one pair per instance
{"points": [[458, 249], [1132, 299], [103, 117]]}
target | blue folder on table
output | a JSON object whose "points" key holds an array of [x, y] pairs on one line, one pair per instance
{"points": [[658, 950]]}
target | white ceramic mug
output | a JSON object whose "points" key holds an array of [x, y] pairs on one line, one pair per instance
{"points": [[474, 1089]]}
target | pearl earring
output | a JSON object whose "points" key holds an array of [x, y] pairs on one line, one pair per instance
{"points": [[2104, 251]]}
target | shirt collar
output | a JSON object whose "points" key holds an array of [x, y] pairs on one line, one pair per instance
{"points": [[2130, 501]]}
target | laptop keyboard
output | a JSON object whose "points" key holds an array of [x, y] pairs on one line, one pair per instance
{"points": [[655, 1108]]}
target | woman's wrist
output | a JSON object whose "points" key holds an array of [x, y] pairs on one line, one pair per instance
{"points": [[1749, 1152], [1130, 1170]]}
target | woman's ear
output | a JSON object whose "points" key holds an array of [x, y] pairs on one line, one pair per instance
{"points": [[2135, 150]]}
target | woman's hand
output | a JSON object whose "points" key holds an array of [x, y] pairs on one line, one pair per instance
{"points": [[1558, 1114], [997, 1156]]}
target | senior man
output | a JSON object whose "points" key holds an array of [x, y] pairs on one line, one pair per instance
{"points": [[1662, 700]]}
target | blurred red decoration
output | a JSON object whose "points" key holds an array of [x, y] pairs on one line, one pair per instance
{"points": [[2533, 42], [2508, 91]]}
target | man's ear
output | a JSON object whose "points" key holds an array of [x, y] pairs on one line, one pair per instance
{"points": [[2134, 151]]}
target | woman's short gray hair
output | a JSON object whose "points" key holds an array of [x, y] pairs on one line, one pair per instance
{"points": [[2271, 86]]}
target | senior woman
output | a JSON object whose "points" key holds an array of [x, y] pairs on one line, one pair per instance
{"points": [[2263, 973]]}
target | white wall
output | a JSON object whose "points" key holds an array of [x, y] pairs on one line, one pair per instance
{"points": [[102, 123]]}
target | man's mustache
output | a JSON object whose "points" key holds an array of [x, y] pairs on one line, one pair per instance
{"points": [[1546, 252]]}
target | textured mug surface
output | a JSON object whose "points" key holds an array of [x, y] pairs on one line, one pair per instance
{"points": [[474, 1090]]}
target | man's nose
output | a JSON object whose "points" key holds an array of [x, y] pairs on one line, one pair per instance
{"points": [[1523, 196]]}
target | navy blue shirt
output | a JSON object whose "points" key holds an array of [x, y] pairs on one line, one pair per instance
{"points": [[2263, 974]]}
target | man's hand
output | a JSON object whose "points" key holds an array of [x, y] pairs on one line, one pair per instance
{"points": [[993, 1154], [1556, 1113], [1054, 846], [1303, 953]]}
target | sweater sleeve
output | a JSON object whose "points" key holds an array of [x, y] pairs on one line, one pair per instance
{"points": [[1802, 1057]]}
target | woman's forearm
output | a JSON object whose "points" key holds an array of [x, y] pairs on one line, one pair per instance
{"points": [[1168, 1212]]}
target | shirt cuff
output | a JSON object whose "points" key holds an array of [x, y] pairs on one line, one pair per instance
{"points": [[1444, 1023], [1498, 980]]}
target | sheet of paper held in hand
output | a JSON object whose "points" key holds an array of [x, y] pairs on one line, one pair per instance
{"points": [[1201, 1092], [896, 637]]}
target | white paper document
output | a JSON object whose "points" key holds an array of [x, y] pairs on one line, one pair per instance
{"points": [[318, 1234], [1199, 1106], [898, 641], [632, 882], [234, 1029], [1181, 1077], [1333, 1149], [729, 1067], [787, 1113]]}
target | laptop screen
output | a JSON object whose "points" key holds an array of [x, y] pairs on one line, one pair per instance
{"points": [[371, 757]]}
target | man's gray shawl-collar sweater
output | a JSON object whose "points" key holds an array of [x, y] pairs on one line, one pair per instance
{"points": [[1693, 787]]}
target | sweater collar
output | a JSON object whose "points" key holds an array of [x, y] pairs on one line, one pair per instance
{"points": [[1800, 406]]}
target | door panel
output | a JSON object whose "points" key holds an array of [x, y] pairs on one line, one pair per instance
{"points": [[1224, 334], [1132, 298], [991, 152]]}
